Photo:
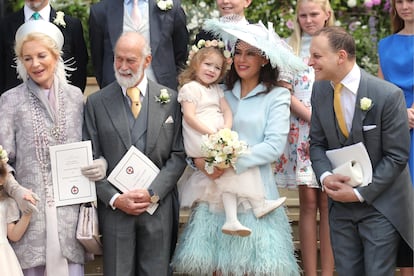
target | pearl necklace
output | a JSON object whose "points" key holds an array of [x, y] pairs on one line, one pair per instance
{"points": [[42, 135]]}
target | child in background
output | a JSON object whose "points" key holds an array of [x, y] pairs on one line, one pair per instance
{"points": [[9, 214], [205, 111]]}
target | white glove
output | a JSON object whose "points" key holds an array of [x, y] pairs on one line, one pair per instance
{"points": [[96, 171], [17, 192]]}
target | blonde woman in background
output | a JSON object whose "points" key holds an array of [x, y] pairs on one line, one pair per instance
{"points": [[294, 169]]}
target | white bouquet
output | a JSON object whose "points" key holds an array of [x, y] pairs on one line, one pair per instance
{"points": [[3, 155], [222, 149]]}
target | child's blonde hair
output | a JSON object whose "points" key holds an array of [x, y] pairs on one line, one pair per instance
{"points": [[296, 37], [190, 72]]}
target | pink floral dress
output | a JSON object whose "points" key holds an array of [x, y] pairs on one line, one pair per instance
{"points": [[294, 166]]}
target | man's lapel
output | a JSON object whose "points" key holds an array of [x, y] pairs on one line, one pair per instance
{"points": [[52, 15], [359, 114], [155, 19], [114, 105], [156, 115], [115, 19], [20, 19]]}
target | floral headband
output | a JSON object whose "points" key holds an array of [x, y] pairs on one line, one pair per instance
{"points": [[3, 155], [210, 43]]}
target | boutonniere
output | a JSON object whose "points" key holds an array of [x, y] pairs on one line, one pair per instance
{"points": [[365, 104], [165, 5], [164, 97], [3, 155], [59, 19]]}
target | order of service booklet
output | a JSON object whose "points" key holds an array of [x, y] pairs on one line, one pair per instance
{"points": [[134, 171]]}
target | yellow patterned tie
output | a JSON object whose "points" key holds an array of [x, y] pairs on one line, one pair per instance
{"points": [[338, 109], [134, 94]]}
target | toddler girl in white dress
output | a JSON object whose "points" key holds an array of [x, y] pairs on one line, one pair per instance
{"points": [[205, 111]]}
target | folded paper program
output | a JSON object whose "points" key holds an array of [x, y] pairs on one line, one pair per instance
{"points": [[352, 169]]}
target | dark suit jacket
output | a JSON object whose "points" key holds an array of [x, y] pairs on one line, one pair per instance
{"points": [[73, 47], [168, 34], [387, 144]]}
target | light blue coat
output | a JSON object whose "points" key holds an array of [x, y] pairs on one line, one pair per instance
{"points": [[262, 120]]}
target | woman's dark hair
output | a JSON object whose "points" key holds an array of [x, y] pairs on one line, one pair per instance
{"points": [[397, 23], [268, 76]]}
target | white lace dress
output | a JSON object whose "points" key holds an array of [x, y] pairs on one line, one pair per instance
{"points": [[9, 265]]}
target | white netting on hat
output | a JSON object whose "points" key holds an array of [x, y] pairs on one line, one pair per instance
{"points": [[277, 51]]}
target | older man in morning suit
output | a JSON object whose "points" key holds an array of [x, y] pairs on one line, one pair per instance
{"points": [[74, 48], [164, 28], [367, 223], [135, 242]]}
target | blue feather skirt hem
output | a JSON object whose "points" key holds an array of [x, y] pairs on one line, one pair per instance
{"points": [[203, 249]]}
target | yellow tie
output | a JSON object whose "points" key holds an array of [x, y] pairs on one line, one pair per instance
{"points": [[338, 110], [134, 94]]}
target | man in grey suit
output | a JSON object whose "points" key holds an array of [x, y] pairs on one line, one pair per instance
{"points": [[164, 27], [368, 224], [135, 242]]}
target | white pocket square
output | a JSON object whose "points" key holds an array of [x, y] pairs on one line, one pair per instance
{"points": [[366, 128], [169, 120]]}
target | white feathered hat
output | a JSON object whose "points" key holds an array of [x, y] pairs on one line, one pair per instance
{"points": [[276, 50]]}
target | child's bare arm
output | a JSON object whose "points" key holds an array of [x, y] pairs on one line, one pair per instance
{"points": [[189, 115], [298, 108], [228, 116], [16, 231]]}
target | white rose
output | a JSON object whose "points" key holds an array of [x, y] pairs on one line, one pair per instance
{"points": [[162, 5], [365, 103]]}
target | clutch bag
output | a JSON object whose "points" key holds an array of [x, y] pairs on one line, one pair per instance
{"points": [[352, 169], [87, 231]]}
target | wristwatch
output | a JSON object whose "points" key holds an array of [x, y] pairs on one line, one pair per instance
{"points": [[153, 197]]}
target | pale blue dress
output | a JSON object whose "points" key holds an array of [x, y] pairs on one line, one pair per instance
{"points": [[396, 54], [261, 119]]}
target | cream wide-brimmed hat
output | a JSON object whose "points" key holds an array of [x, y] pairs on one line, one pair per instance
{"points": [[276, 50], [40, 26]]}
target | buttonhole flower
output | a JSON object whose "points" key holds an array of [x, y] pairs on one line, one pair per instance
{"points": [[59, 19], [365, 104], [165, 5], [164, 96]]}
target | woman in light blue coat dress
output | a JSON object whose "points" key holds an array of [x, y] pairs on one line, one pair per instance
{"points": [[261, 117]]}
